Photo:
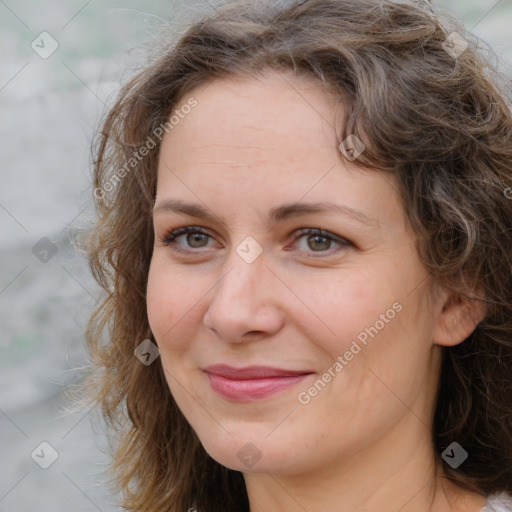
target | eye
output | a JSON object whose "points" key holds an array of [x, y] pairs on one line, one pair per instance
{"points": [[193, 235], [319, 241], [313, 241]]}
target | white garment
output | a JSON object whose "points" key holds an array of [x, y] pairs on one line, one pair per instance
{"points": [[498, 503]]}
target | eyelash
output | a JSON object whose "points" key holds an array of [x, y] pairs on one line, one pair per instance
{"points": [[170, 237]]}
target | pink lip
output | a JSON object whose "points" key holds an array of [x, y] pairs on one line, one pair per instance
{"points": [[252, 382]]}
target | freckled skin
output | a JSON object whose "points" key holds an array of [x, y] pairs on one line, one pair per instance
{"points": [[248, 146]]}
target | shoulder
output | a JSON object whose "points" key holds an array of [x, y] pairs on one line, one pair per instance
{"points": [[501, 502]]}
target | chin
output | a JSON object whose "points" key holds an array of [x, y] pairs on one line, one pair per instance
{"points": [[258, 456]]}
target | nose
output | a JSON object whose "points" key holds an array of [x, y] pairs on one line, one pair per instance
{"points": [[245, 305]]}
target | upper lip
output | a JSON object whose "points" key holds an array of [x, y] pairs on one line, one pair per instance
{"points": [[252, 372]]}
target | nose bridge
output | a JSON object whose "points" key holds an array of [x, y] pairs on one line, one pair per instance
{"points": [[241, 301], [242, 278]]}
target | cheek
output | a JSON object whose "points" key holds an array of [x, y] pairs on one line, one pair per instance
{"points": [[370, 320], [383, 338], [167, 302], [341, 308], [157, 301]]}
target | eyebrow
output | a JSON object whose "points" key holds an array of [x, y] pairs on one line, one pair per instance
{"points": [[277, 214]]}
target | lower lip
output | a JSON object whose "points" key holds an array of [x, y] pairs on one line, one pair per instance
{"points": [[251, 390]]}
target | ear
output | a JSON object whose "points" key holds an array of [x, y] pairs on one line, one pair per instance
{"points": [[458, 319]]}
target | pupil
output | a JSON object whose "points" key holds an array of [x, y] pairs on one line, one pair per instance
{"points": [[195, 237], [321, 238]]}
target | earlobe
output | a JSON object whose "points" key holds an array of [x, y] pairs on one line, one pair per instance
{"points": [[457, 320]]}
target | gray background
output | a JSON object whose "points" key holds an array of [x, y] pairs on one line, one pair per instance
{"points": [[48, 111]]}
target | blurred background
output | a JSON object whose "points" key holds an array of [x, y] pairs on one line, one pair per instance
{"points": [[62, 64]]}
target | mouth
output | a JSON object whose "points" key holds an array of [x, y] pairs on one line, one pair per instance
{"points": [[252, 382]]}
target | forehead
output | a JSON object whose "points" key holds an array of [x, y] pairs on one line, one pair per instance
{"points": [[272, 110], [242, 122], [265, 140]]}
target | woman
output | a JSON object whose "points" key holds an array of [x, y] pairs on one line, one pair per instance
{"points": [[303, 234]]}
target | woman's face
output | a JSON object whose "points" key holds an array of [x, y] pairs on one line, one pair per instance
{"points": [[341, 318]]}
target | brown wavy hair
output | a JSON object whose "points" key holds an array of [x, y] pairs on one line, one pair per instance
{"points": [[441, 124]]}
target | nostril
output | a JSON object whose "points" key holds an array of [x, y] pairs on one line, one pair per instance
{"points": [[253, 333]]}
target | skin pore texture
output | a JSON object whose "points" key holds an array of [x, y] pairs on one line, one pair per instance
{"points": [[363, 442]]}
